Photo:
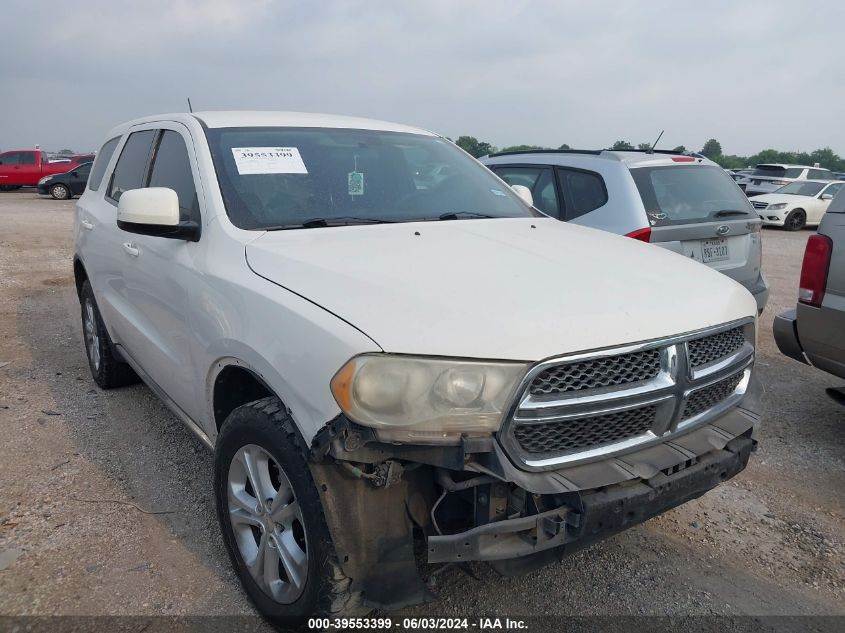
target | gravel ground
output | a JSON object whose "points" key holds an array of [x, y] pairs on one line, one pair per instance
{"points": [[106, 504]]}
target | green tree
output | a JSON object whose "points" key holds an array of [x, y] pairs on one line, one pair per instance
{"points": [[644, 146], [474, 147], [680, 149], [521, 148], [712, 149], [621, 145], [564, 146]]}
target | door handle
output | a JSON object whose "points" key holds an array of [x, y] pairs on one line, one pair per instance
{"points": [[130, 248], [87, 225]]}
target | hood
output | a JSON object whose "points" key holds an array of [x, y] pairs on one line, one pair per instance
{"points": [[510, 289], [776, 198]]}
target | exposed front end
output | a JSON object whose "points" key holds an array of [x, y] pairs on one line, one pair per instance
{"points": [[589, 444]]}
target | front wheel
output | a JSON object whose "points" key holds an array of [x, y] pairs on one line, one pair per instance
{"points": [[272, 519], [60, 192], [795, 221]]}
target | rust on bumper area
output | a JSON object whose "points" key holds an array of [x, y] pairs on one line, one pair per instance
{"points": [[601, 513]]}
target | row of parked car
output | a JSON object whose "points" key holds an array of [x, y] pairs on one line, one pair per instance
{"points": [[61, 179], [789, 196]]}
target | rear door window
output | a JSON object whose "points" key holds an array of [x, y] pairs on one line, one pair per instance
{"points": [[27, 158], [172, 168], [684, 194], [541, 183], [584, 191], [101, 162], [131, 167]]}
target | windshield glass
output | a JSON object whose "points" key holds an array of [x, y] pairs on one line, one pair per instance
{"points": [[275, 178], [681, 194], [800, 188]]}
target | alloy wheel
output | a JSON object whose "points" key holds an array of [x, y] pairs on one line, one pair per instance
{"points": [[267, 523], [92, 338]]}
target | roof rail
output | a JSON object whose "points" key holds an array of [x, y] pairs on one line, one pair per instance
{"points": [[548, 151], [594, 152]]}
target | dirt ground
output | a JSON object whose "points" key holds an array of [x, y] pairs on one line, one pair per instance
{"points": [[106, 504]]}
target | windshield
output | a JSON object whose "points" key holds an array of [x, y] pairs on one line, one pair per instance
{"points": [[278, 178], [681, 194], [800, 188], [776, 171]]}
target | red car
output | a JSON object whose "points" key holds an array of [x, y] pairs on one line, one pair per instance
{"points": [[24, 168]]}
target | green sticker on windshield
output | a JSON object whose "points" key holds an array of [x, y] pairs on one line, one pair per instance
{"points": [[355, 183]]}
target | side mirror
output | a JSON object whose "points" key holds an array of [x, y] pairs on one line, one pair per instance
{"points": [[827, 196], [525, 193], [154, 211]]}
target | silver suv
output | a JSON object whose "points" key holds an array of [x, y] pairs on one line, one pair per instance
{"points": [[684, 203]]}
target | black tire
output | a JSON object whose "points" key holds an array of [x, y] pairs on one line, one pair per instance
{"points": [[9, 187], [327, 590], [60, 191], [107, 370], [796, 220]]}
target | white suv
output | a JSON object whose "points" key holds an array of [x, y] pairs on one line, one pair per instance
{"points": [[374, 357], [769, 177]]}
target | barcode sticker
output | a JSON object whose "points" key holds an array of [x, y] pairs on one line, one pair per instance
{"points": [[268, 160]]}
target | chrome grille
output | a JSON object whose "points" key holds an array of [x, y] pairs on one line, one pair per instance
{"points": [[580, 433], [759, 205], [601, 403], [708, 397], [598, 372], [712, 348]]}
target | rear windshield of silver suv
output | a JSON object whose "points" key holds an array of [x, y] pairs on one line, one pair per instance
{"points": [[683, 194]]}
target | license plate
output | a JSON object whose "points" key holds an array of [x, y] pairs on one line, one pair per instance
{"points": [[714, 250]]}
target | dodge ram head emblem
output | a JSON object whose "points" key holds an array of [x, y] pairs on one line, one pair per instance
{"points": [[723, 230]]}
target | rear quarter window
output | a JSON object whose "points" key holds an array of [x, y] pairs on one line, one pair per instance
{"points": [[101, 162]]}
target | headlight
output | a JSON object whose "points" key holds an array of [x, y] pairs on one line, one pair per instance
{"points": [[419, 399], [776, 207], [44, 179]]}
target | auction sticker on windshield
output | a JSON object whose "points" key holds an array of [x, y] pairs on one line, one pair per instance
{"points": [[268, 160], [714, 250]]}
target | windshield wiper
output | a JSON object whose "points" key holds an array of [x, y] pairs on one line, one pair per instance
{"points": [[317, 223], [726, 212], [454, 215]]}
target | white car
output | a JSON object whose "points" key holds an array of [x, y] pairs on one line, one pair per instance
{"points": [[798, 204], [769, 177], [374, 359]]}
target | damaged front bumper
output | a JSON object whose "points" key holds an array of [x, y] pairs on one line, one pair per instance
{"points": [[471, 502], [599, 513]]}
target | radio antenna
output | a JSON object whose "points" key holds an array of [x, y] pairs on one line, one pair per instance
{"points": [[653, 145], [190, 108]]}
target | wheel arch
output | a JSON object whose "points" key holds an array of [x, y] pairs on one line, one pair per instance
{"points": [[80, 275], [233, 384]]}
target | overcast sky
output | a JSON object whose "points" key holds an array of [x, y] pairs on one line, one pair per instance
{"points": [[751, 74]]}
